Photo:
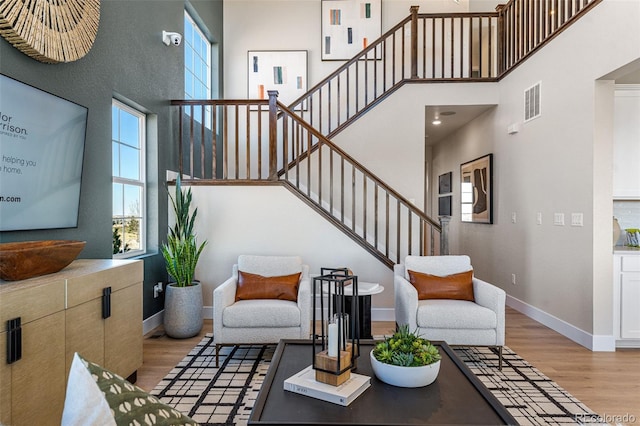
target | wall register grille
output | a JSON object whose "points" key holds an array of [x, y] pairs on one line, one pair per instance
{"points": [[532, 102]]}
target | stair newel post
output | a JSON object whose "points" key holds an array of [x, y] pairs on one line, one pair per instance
{"points": [[500, 39], [414, 41], [273, 134], [444, 235]]}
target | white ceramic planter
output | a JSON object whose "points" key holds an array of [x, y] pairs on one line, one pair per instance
{"points": [[406, 377]]}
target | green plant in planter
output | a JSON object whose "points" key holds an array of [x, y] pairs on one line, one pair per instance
{"points": [[406, 349], [181, 251]]}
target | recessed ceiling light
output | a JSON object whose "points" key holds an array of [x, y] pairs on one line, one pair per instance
{"points": [[445, 113], [436, 122]]}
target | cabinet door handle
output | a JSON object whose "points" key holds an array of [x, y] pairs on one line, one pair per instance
{"points": [[106, 302], [14, 340]]}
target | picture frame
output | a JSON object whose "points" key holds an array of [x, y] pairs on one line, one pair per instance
{"points": [[348, 26], [282, 70], [476, 190], [444, 183], [444, 205]]}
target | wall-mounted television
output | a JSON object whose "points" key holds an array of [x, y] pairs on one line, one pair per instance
{"points": [[42, 138]]}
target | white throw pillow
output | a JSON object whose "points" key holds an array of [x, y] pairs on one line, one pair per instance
{"points": [[84, 403]]}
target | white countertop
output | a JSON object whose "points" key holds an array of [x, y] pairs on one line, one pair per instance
{"points": [[626, 250]]}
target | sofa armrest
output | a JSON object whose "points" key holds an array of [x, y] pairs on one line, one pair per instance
{"points": [[304, 304], [406, 302], [493, 298], [224, 295]]}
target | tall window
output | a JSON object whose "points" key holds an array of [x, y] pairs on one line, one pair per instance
{"points": [[127, 141], [197, 67]]}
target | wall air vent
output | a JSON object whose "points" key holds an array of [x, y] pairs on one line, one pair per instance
{"points": [[532, 102]]}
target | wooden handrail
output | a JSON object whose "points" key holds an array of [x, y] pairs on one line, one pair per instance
{"points": [[359, 166]]}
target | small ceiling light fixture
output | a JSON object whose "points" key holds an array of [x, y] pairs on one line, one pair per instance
{"points": [[446, 113], [436, 122]]}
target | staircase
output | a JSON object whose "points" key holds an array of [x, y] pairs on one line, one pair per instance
{"points": [[262, 142]]}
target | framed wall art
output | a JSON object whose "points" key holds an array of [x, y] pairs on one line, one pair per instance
{"points": [[476, 190], [348, 26], [281, 70], [444, 183], [444, 206]]}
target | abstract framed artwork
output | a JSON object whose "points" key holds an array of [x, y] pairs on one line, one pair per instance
{"points": [[444, 205], [281, 70], [444, 183], [348, 26], [476, 190]]}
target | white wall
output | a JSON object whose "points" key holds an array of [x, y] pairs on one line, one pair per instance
{"points": [[270, 220], [560, 162], [390, 139]]}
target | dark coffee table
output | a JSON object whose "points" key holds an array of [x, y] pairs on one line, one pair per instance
{"points": [[456, 397]]}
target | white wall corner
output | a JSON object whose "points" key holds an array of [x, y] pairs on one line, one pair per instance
{"points": [[599, 343]]}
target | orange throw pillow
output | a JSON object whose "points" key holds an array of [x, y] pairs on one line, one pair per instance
{"points": [[456, 286], [254, 286]]}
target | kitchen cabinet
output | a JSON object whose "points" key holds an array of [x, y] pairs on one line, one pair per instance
{"points": [[626, 142], [59, 315], [627, 299]]}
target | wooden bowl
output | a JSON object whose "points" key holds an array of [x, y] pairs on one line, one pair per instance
{"points": [[28, 259]]}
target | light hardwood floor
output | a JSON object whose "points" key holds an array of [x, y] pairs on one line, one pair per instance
{"points": [[607, 382]]}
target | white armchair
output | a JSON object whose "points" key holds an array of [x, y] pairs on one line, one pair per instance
{"points": [[261, 320], [457, 322]]}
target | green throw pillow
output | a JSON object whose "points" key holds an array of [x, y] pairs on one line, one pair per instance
{"points": [[129, 405]]}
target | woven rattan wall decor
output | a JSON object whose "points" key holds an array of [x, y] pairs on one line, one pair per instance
{"points": [[50, 31]]}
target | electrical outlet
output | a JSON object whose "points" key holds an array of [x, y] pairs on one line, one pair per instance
{"points": [[539, 218], [157, 289], [513, 279], [514, 217]]}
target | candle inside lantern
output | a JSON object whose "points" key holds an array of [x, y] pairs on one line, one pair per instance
{"points": [[332, 337]]}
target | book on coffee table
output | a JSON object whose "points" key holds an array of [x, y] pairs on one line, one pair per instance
{"points": [[305, 383]]}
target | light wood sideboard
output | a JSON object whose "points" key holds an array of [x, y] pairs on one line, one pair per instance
{"points": [[93, 307]]}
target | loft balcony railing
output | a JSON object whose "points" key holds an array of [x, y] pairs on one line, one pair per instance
{"points": [[448, 47]]}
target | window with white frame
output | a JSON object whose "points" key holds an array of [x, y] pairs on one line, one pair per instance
{"points": [[128, 136], [197, 67]]}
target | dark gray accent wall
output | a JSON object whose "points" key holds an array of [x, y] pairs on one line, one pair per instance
{"points": [[128, 61]]}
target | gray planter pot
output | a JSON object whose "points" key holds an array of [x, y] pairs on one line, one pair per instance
{"points": [[183, 311]]}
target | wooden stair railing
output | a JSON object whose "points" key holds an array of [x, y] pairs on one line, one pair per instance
{"points": [[251, 149], [452, 47], [444, 47], [384, 222]]}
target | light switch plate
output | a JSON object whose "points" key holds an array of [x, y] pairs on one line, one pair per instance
{"points": [[577, 219], [539, 218], [558, 219]]}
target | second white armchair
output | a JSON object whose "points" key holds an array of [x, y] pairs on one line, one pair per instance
{"points": [[477, 322]]}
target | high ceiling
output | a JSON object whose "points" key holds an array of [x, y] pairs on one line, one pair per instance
{"points": [[450, 123]]}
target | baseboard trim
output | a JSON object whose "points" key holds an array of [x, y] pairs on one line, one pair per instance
{"points": [[152, 322], [383, 314], [596, 343], [207, 312]]}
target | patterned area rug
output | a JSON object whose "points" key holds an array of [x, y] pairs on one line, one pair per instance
{"points": [[225, 395]]}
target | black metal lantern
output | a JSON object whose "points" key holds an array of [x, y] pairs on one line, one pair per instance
{"points": [[336, 343]]}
